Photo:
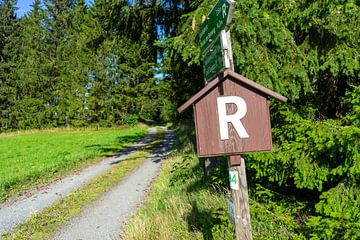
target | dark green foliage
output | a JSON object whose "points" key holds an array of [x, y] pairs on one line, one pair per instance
{"points": [[308, 51], [66, 63], [352, 106], [74, 65], [8, 28], [213, 224], [339, 214], [264, 49], [217, 176], [131, 119], [316, 155], [7, 24], [275, 216], [180, 170], [321, 157]]}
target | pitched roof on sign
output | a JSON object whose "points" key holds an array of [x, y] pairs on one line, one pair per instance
{"points": [[234, 76]]}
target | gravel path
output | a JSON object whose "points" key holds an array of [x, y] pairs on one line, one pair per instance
{"points": [[19, 211], [104, 219]]}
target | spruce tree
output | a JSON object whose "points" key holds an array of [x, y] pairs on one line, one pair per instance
{"points": [[124, 82], [8, 28], [29, 72], [74, 59]]}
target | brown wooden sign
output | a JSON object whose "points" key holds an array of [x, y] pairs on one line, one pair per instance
{"points": [[232, 116]]}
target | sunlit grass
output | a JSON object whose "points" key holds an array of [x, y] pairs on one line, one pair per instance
{"points": [[180, 210], [45, 223], [183, 204], [28, 158]]}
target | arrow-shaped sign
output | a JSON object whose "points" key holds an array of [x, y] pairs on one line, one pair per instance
{"points": [[217, 20], [215, 58]]}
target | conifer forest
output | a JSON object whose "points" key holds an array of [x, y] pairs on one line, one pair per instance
{"points": [[71, 64]]}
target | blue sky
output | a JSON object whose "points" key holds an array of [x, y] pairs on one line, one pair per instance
{"points": [[24, 6]]}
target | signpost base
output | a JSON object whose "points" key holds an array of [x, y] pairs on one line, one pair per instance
{"points": [[240, 197]]}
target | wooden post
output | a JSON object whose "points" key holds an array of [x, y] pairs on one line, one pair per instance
{"points": [[212, 162], [241, 199]]}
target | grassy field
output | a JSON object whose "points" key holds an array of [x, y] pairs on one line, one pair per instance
{"points": [[183, 204], [30, 158], [45, 223]]}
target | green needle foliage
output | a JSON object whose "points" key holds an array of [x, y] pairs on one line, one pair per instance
{"points": [[308, 51], [8, 28], [68, 64]]}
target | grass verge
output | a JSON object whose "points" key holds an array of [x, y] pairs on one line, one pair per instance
{"points": [[44, 224], [32, 158], [183, 204]]}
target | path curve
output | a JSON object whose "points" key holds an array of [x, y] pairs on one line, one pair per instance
{"points": [[17, 212], [105, 218]]}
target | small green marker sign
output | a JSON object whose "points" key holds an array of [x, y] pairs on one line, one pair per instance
{"points": [[234, 180], [217, 20]]}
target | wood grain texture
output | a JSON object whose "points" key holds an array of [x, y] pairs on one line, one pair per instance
{"points": [[256, 121], [235, 160], [241, 202]]}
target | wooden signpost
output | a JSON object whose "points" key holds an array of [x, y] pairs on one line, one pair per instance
{"points": [[214, 60], [237, 112], [217, 20], [231, 112], [217, 57], [214, 39]]}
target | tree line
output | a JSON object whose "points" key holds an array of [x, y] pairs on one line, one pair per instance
{"points": [[68, 64], [65, 63]]}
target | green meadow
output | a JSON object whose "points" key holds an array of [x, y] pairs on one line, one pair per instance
{"points": [[30, 158], [44, 224]]}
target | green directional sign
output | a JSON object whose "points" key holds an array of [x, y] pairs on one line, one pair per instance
{"points": [[217, 20], [213, 60]]}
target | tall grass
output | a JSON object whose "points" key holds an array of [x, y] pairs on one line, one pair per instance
{"points": [[181, 204], [184, 204], [30, 158]]}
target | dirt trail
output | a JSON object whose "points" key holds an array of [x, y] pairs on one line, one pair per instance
{"points": [[104, 219], [17, 212]]}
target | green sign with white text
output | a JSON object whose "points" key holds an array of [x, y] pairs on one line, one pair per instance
{"points": [[213, 60], [217, 20]]}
